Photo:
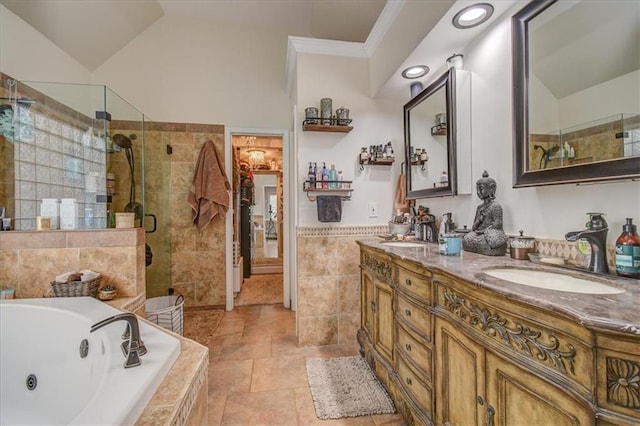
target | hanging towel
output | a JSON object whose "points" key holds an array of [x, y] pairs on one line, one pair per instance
{"points": [[401, 202], [209, 192], [329, 208]]}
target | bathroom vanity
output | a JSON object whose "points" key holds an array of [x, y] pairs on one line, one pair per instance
{"points": [[455, 345]]}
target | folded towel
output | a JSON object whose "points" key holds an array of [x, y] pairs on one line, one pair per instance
{"points": [[85, 275], [401, 202], [209, 192], [329, 208]]}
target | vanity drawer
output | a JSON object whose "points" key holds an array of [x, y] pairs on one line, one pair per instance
{"points": [[419, 352], [415, 284], [421, 394], [416, 317]]}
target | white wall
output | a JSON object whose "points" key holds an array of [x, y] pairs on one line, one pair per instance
{"points": [[346, 81], [27, 55], [549, 211], [613, 97], [187, 70]]}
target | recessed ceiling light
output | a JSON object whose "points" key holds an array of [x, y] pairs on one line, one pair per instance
{"points": [[415, 71], [472, 16]]}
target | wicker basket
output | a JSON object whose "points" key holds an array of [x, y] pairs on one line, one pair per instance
{"points": [[77, 288]]}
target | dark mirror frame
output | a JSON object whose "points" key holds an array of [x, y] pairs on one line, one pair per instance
{"points": [[625, 168], [447, 80]]}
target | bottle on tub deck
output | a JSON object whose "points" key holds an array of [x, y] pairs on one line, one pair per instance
{"points": [[50, 208], [68, 213]]}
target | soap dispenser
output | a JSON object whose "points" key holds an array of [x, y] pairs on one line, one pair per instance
{"points": [[628, 251]]}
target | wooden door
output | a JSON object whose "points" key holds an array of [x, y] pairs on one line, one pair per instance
{"points": [[383, 334], [517, 397], [460, 377], [366, 302]]}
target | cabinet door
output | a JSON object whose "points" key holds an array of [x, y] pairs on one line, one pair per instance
{"points": [[383, 334], [460, 377], [517, 397], [366, 302]]}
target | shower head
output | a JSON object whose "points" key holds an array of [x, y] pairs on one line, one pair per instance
{"points": [[121, 140]]}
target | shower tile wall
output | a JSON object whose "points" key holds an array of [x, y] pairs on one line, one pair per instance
{"points": [[184, 258]]}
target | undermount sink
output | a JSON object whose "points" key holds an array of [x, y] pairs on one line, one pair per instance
{"points": [[406, 244], [552, 281]]}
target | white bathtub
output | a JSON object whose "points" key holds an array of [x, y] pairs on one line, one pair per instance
{"points": [[41, 338]]}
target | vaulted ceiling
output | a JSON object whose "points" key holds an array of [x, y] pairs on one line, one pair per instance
{"points": [[93, 31]]}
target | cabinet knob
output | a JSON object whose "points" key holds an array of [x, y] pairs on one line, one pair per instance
{"points": [[407, 281], [408, 347], [373, 306], [407, 312], [409, 381]]}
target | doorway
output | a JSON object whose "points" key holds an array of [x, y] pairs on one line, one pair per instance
{"points": [[258, 206]]}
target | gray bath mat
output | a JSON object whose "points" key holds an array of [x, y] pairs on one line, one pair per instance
{"points": [[346, 387]]}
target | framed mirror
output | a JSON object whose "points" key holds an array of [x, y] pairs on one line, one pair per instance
{"points": [[430, 140], [576, 92]]}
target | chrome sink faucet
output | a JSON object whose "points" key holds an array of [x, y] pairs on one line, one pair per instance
{"points": [[133, 347], [596, 235]]}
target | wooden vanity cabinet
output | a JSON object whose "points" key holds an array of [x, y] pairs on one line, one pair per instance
{"points": [[376, 308], [453, 353], [477, 387], [413, 344]]}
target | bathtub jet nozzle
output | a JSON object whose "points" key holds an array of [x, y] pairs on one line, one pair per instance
{"points": [[133, 348]]}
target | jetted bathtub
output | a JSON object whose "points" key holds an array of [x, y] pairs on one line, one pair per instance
{"points": [[49, 375]]}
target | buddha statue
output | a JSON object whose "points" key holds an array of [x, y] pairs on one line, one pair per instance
{"points": [[486, 236]]}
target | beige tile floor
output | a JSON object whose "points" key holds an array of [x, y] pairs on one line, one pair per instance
{"points": [[257, 373]]}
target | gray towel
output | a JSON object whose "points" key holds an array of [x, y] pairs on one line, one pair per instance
{"points": [[329, 208]]}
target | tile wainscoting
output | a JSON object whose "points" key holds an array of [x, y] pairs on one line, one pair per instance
{"points": [[329, 283], [30, 260]]}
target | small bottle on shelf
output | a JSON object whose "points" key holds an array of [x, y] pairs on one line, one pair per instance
{"points": [[325, 176], [318, 178], [364, 155], [333, 177], [340, 180], [311, 176]]}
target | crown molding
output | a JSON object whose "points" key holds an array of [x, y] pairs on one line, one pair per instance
{"points": [[318, 46], [385, 20], [341, 48]]}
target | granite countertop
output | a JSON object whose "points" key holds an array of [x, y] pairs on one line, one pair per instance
{"points": [[607, 312]]}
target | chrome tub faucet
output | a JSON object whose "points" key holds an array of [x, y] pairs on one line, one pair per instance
{"points": [[133, 347], [596, 235]]}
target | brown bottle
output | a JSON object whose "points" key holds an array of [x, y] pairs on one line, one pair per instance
{"points": [[628, 251]]}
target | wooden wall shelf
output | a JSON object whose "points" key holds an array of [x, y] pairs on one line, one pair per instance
{"points": [[326, 128], [312, 192]]}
